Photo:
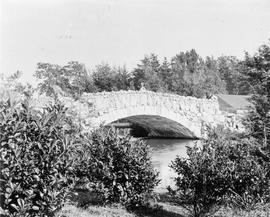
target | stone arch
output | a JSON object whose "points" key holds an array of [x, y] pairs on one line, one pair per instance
{"points": [[192, 124], [93, 109]]}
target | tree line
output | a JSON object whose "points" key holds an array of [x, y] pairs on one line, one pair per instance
{"points": [[187, 73]]}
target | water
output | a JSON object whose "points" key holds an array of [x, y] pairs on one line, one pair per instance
{"points": [[163, 152]]}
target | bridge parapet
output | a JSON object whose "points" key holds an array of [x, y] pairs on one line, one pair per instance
{"points": [[107, 101]]}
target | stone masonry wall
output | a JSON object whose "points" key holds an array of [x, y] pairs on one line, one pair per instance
{"points": [[191, 112], [93, 109]]}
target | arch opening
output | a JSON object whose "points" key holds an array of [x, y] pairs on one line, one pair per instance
{"points": [[153, 126]]}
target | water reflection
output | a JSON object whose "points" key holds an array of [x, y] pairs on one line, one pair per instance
{"points": [[163, 152]]}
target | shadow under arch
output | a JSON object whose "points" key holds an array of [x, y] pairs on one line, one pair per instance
{"points": [[153, 126]]}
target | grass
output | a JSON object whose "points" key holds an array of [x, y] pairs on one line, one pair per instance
{"points": [[94, 211], [262, 211], [83, 206], [157, 210]]}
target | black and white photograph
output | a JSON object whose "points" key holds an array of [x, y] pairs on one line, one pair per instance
{"points": [[135, 108]]}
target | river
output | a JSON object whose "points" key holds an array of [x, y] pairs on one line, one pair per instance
{"points": [[163, 151]]}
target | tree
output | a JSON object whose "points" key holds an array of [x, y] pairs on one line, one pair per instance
{"points": [[107, 78], [187, 65], [186, 72], [148, 73], [228, 67], [222, 170], [72, 78], [102, 77], [213, 78], [165, 74], [194, 76], [258, 76], [122, 78]]}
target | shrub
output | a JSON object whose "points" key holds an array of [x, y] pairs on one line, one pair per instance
{"points": [[36, 160], [222, 170], [118, 168]]}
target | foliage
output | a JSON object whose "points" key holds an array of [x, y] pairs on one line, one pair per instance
{"points": [[42, 160], [232, 169], [106, 78], [197, 77], [258, 75], [36, 160], [72, 78], [12, 88], [118, 168], [186, 74], [148, 73], [230, 72], [222, 170]]}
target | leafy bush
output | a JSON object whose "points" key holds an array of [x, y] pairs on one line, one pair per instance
{"points": [[222, 170], [42, 160], [117, 168], [36, 160]]}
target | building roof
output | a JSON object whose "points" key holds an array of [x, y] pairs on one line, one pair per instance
{"points": [[233, 103]]}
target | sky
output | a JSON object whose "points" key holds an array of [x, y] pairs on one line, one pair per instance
{"points": [[122, 32]]}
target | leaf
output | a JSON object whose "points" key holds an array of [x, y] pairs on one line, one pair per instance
{"points": [[14, 206], [20, 202], [7, 195], [36, 208]]}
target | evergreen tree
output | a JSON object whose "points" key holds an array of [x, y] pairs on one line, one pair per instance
{"points": [[148, 73], [228, 67], [259, 78], [165, 74]]}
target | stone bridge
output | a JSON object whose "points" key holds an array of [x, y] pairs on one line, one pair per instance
{"points": [[191, 113], [188, 115]]}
